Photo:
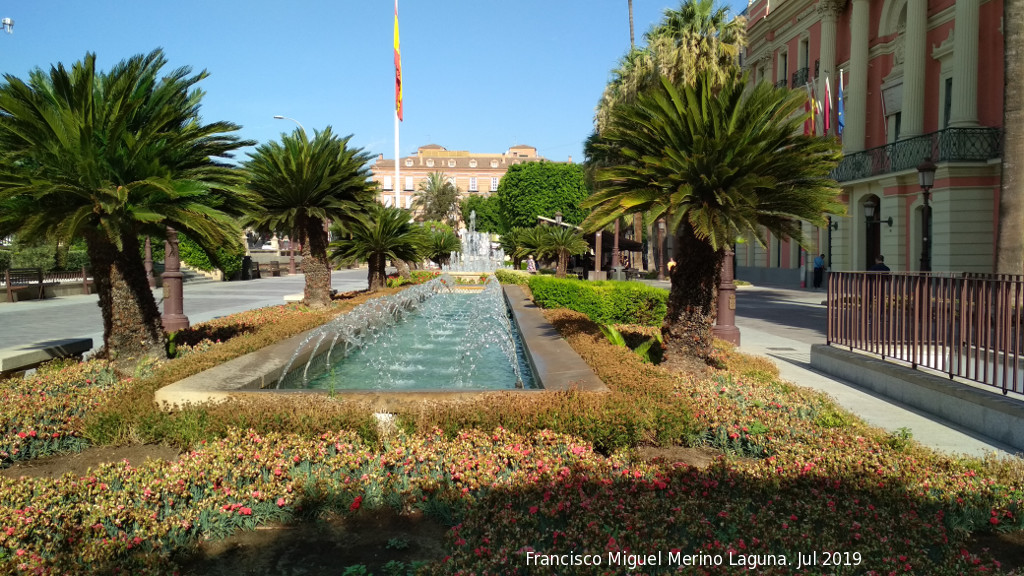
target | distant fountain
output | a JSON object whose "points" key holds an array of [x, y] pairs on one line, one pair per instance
{"points": [[478, 255], [425, 337]]}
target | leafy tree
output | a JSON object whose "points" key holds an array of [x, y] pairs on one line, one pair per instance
{"points": [[437, 198], [299, 184], [387, 233], [440, 245], [560, 242], [489, 217], [719, 162], [110, 157], [541, 189]]}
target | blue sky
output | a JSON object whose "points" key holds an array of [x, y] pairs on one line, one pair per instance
{"points": [[479, 75]]}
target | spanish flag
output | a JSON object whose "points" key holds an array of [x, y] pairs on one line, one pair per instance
{"points": [[398, 69]]}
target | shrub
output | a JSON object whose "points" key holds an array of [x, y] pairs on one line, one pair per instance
{"points": [[5, 259], [75, 259], [603, 302], [516, 277]]}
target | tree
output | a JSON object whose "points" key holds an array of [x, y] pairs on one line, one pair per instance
{"points": [[440, 245], [541, 189], [437, 198], [719, 162], [386, 233], [1010, 243], [560, 242], [300, 183], [489, 217], [111, 156]]}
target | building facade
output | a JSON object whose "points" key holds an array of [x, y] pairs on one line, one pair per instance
{"points": [[472, 172], [922, 79]]}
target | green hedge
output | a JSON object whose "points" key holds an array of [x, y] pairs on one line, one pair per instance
{"points": [[512, 276], [607, 302]]}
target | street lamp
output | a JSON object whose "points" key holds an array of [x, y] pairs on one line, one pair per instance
{"points": [[869, 215], [926, 178], [661, 249], [279, 117], [8, 25]]}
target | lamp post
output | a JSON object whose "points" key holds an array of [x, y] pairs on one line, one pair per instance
{"points": [[8, 25], [173, 318], [661, 249], [279, 117], [926, 178]]}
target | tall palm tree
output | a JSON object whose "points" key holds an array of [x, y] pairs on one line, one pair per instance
{"points": [[387, 233], [111, 156], [437, 198], [718, 162], [560, 242], [299, 183], [1010, 244]]}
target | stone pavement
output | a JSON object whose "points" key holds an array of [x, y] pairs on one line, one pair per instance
{"points": [[79, 316]]}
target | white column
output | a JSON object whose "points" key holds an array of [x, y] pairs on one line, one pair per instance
{"points": [[828, 10], [912, 116], [964, 106], [857, 85]]}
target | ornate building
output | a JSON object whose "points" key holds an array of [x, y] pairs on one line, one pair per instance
{"points": [[472, 172], [923, 79]]}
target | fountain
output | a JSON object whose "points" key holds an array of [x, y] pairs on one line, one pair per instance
{"points": [[428, 337], [478, 255]]}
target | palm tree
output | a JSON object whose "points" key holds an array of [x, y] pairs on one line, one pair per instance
{"points": [[109, 157], [437, 198], [1010, 244], [299, 184], [561, 242], [386, 233], [509, 242], [441, 244], [529, 241], [718, 162]]}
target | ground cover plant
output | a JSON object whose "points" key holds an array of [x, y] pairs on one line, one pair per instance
{"points": [[795, 474]]}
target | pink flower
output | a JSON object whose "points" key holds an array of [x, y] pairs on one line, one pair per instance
{"points": [[245, 511], [280, 502], [533, 509]]}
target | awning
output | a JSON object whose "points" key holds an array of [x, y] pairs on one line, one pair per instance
{"points": [[608, 238]]}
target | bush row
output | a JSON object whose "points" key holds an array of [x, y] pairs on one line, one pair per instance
{"points": [[607, 302], [516, 277]]}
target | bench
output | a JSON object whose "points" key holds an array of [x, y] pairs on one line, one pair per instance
{"points": [[633, 274], [256, 272], [18, 359], [275, 268], [29, 279]]}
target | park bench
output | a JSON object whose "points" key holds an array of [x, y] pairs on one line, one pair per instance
{"points": [[633, 274], [84, 275], [275, 268], [256, 272], [28, 279]]}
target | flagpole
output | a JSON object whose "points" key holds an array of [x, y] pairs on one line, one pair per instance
{"points": [[398, 72]]}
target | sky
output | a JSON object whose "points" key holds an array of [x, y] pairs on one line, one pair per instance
{"points": [[478, 75]]}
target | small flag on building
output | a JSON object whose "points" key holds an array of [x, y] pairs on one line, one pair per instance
{"points": [[398, 70], [840, 112], [826, 117]]}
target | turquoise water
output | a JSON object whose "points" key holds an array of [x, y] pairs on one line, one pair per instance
{"points": [[451, 341]]}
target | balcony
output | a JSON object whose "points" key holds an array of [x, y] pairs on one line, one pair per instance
{"points": [[800, 77], [782, 83], [949, 145]]}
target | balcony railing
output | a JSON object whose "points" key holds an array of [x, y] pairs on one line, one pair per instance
{"points": [[968, 326], [782, 83], [949, 145], [800, 77]]}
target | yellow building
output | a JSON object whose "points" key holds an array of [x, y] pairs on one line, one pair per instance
{"points": [[472, 172]]}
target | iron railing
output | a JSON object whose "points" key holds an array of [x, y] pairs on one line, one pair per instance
{"points": [[949, 145], [968, 326], [800, 77], [784, 83]]}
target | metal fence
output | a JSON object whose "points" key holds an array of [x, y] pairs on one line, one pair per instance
{"points": [[964, 325], [949, 145]]}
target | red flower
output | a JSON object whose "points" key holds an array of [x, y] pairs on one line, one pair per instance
{"points": [[356, 503], [533, 509]]}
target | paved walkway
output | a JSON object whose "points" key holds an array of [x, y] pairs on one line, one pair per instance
{"points": [[79, 316]]}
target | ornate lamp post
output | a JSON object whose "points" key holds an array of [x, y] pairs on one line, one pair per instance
{"points": [[661, 249], [725, 325], [173, 317], [926, 178]]}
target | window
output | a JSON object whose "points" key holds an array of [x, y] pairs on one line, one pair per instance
{"points": [[494, 183], [408, 202], [948, 104], [452, 181], [494, 163], [430, 162], [408, 182], [472, 163], [387, 200], [387, 182], [783, 68], [451, 163], [408, 161], [472, 184]]}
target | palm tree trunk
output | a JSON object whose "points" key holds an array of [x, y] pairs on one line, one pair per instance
{"points": [[691, 301], [315, 265], [632, 43], [1010, 242], [563, 263], [377, 274], [131, 319]]}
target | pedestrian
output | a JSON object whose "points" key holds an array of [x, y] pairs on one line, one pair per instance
{"points": [[671, 264], [879, 265], [819, 270], [531, 266]]}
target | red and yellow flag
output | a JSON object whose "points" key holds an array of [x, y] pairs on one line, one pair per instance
{"points": [[398, 69]]}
